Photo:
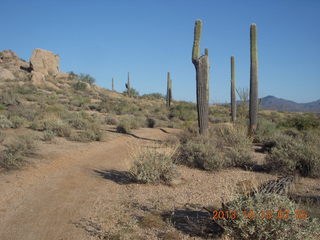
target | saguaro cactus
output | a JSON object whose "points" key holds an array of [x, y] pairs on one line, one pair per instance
{"points": [[253, 106], [112, 84], [128, 85], [169, 91], [201, 64], [233, 91]]}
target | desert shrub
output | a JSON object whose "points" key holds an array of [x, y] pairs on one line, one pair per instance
{"points": [[2, 107], [86, 78], [153, 167], [17, 121], [29, 112], [55, 125], [14, 155], [80, 101], [265, 129], [80, 85], [201, 152], [79, 120], [5, 122], [92, 132], [268, 217], [111, 120], [151, 122], [236, 145], [302, 122], [48, 135], [153, 96], [184, 111], [2, 137], [126, 125], [55, 108], [289, 155], [9, 97], [131, 92], [225, 146]]}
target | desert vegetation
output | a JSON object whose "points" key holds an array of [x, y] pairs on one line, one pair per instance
{"points": [[204, 141]]}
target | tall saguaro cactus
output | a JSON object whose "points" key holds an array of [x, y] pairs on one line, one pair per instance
{"points": [[128, 85], [253, 107], [201, 64], [233, 91], [112, 84], [169, 91]]}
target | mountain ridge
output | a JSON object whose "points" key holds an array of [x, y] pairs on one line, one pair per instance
{"points": [[274, 103]]}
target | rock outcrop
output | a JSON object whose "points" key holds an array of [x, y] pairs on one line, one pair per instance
{"points": [[6, 74], [44, 61]]}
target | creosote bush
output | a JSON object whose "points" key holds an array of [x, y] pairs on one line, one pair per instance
{"points": [[225, 146], [289, 155], [154, 166], [5, 122], [13, 157], [257, 218], [126, 125], [56, 125]]}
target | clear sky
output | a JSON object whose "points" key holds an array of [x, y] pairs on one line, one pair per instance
{"points": [[148, 38]]}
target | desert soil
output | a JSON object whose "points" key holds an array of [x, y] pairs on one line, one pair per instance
{"points": [[81, 191]]}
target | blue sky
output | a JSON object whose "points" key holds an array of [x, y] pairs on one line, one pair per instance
{"points": [[148, 38]]}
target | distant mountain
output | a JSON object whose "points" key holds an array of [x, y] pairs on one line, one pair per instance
{"points": [[274, 103]]}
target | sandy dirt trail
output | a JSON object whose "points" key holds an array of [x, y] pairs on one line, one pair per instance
{"points": [[44, 202]]}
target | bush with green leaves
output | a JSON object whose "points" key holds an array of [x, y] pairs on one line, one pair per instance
{"points": [[86, 78], [153, 167], [80, 85], [266, 129], [307, 121], [126, 125], [17, 121], [93, 132], [223, 147], [13, 157], [5, 122], [153, 96], [131, 92], [48, 135], [268, 217], [288, 155], [56, 125], [202, 152], [184, 111]]}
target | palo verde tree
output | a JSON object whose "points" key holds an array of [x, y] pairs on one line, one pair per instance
{"points": [[201, 64]]}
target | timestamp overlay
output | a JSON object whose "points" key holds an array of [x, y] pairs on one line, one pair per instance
{"points": [[264, 214]]}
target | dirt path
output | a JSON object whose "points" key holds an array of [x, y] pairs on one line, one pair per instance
{"points": [[45, 201]]}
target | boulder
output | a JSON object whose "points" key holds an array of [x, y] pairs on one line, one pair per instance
{"points": [[6, 74], [37, 78], [44, 61]]}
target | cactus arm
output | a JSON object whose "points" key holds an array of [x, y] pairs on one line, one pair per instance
{"points": [[196, 41]]}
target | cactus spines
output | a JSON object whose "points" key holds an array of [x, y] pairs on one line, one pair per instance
{"points": [[169, 91], [253, 105], [112, 84], [201, 64], [233, 92]]}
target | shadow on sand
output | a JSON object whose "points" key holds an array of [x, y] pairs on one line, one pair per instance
{"points": [[194, 223], [119, 177]]}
